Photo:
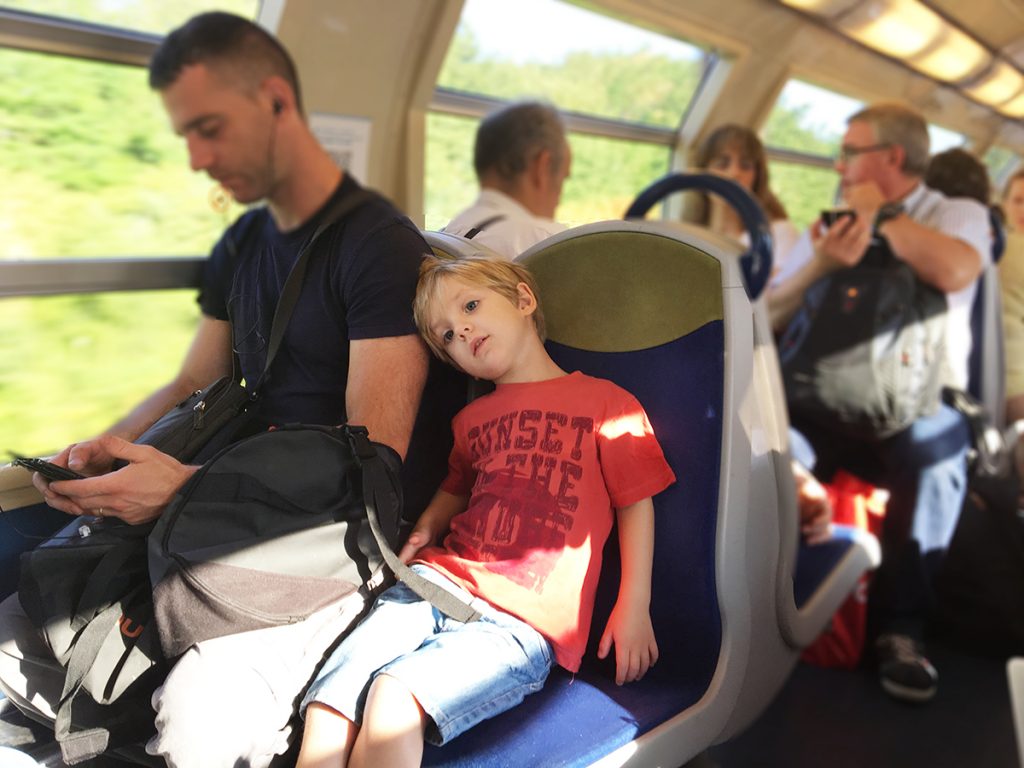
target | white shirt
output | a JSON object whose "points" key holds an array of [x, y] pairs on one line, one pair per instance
{"points": [[958, 217], [509, 236]]}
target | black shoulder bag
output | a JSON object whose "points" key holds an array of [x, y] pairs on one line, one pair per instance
{"points": [[865, 353]]}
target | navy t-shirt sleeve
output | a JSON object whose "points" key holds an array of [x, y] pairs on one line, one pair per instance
{"points": [[379, 283]]}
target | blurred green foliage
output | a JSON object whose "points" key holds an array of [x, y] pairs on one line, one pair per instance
{"points": [[141, 15], [639, 87]]}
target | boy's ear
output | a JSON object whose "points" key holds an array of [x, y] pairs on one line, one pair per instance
{"points": [[527, 301]]}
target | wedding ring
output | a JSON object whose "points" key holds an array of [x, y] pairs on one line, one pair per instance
{"points": [[99, 512]]}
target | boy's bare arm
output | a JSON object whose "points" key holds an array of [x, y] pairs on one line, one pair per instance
{"points": [[629, 627], [433, 523]]}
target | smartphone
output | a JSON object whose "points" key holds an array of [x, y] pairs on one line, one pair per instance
{"points": [[46, 469], [832, 215]]}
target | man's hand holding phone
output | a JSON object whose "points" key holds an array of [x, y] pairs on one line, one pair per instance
{"points": [[47, 469], [831, 215]]}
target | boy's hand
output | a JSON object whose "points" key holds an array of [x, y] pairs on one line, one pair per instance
{"points": [[636, 650], [433, 523], [418, 539]]}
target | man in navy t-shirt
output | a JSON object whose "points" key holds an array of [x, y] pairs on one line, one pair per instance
{"points": [[350, 353]]}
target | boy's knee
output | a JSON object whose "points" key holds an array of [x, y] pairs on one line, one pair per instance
{"points": [[391, 698]]}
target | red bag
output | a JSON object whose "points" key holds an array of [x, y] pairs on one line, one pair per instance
{"points": [[858, 503]]}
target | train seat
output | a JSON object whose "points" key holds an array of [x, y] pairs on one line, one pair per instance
{"points": [[662, 310], [986, 365]]}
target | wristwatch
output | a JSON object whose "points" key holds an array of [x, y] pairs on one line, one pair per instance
{"points": [[887, 212]]}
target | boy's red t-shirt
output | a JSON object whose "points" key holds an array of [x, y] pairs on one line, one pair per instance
{"points": [[545, 464]]}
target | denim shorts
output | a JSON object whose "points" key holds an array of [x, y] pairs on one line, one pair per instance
{"points": [[459, 673]]}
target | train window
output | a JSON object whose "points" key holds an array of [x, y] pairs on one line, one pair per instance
{"points": [[97, 170], [803, 189], [802, 134], [606, 68], [450, 182], [134, 15], [606, 173], [943, 138], [808, 119], [72, 365], [1000, 163], [606, 176]]}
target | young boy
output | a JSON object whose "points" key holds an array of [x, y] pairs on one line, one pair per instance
{"points": [[536, 470]]}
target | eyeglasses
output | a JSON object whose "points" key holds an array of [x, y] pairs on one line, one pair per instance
{"points": [[848, 153]]}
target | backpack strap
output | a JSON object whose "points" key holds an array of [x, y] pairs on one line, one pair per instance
{"points": [[244, 228], [293, 284], [82, 745], [483, 225], [989, 455], [375, 485]]}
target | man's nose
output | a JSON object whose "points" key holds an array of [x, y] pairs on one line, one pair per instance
{"points": [[199, 155]]}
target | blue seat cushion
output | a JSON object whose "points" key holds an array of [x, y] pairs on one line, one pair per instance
{"points": [[815, 562]]}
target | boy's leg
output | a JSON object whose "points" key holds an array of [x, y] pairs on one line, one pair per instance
{"points": [[393, 727], [327, 739], [466, 673]]}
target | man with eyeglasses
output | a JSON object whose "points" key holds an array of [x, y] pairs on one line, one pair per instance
{"points": [[946, 242]]}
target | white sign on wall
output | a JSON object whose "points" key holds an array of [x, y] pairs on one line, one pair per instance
{"points": [[347, 139]]}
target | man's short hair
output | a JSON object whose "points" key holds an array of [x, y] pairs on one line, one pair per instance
{"points": [[493, 272], [226, 41], [508, 139], [901, 126]]}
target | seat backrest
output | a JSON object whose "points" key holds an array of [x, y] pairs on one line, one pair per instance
{"points": [[646, 311], [986, 364]]}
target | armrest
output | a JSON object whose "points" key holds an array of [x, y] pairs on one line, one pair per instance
{"points": [[16, 489]]}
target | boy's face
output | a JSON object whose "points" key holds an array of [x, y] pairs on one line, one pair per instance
{"points": [[484, 333]]}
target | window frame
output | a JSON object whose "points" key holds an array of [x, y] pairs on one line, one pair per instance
{"points": [[73, 39], [714, 69]]}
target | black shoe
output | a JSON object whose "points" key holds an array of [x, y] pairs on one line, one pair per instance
{"points": [[904, 671]]}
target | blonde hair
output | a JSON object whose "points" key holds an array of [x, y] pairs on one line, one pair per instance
{"points": [[492, 272]]}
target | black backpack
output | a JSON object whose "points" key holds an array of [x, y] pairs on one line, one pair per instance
{"points": [[87, 591], [267, 532], [865, 353]]}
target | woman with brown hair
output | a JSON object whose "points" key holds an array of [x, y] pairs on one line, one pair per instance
{"points": [[736, 153]]}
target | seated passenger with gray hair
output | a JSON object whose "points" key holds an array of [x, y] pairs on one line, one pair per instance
{"points": [[521, 159]]}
